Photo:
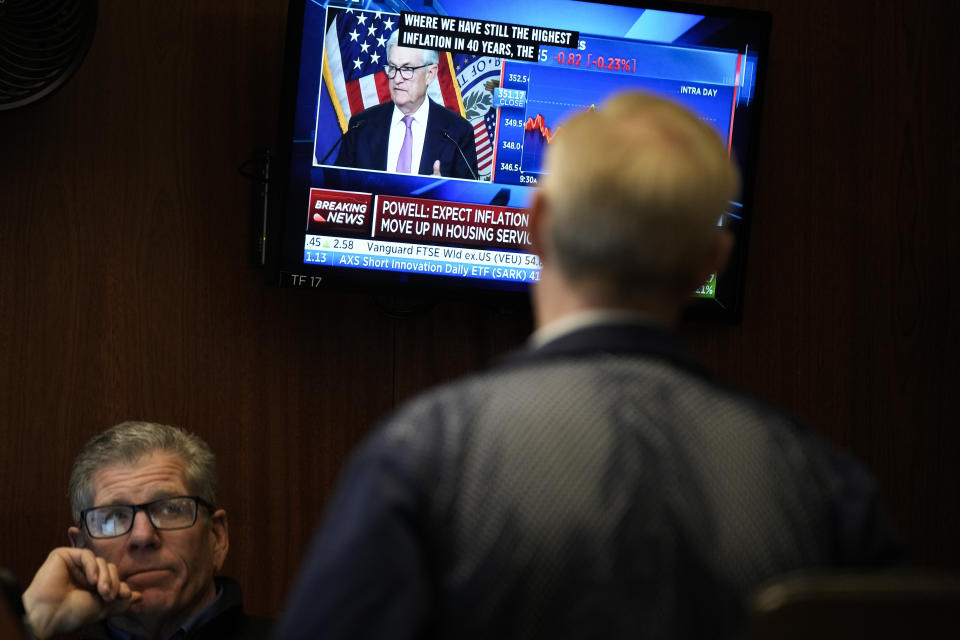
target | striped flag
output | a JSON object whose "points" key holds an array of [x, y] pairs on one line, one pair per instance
{"points": [[483, 135], [355, 52]]}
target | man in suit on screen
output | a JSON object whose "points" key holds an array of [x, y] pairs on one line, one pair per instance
{"points": [[599, 483], [410, 133]]}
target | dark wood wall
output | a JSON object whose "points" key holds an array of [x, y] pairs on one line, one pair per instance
{"points": [[126, 289]]}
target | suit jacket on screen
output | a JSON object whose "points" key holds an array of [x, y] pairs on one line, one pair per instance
{"points": [[365, 144]]}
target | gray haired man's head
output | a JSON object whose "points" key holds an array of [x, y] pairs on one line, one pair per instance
{"points": [[128, 442], [636, 189], [430, 56]]}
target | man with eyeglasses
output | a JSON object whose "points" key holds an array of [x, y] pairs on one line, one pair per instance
{"points": [[411, 133], [147, 541]]}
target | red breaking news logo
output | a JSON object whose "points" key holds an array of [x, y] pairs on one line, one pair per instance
{"points": [[337, 211]]}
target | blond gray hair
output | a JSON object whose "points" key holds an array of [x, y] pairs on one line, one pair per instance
{"points": [[430, 56], [635, 190], [126, 443]]}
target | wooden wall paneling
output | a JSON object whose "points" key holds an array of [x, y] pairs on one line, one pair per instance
{"points": [[126, 292], [452, 339]]}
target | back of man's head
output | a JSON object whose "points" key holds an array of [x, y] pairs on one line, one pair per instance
{"points": [[128, 442], [635, 190]]}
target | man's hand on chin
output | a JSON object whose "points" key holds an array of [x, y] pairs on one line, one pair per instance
{"points": [[74, 588]]}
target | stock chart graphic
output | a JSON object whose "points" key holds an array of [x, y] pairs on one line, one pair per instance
{"points": [[534, 99]]}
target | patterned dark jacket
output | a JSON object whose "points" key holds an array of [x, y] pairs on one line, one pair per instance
{"points": [[601, 486]]}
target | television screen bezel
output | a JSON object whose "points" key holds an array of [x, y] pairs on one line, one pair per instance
{"points": [[279, 230]]}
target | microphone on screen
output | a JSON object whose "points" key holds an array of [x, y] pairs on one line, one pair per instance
{"points": [[356, 126], [462, 154]]}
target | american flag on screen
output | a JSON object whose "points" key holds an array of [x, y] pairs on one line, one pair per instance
{"points": [[483, 135], [355, 52], [477, 77]]}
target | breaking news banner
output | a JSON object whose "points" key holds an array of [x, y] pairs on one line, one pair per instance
{"points": [[480, 37], [330, 210], [484, 225], [418, 219]]}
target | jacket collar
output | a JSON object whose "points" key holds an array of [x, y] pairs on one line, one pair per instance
{"points": [[615, 338]]}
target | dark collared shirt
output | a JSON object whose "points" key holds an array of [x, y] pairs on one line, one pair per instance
{"points": [[223, 619], [184, 631]]}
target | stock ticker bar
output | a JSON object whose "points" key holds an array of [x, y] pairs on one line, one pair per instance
{"points": [[464, 262]]}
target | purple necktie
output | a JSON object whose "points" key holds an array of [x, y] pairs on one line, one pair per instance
{"points": [[406, 149]]}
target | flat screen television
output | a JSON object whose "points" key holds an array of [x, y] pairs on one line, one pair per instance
{"points": [[508, 74]]}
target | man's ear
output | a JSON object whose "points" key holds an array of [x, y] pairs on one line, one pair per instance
{"points": [[539, 224], [77, 539], [219, 537], [432, 71]]}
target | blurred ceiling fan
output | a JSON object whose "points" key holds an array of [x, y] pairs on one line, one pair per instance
{"points": [[42, 43]]}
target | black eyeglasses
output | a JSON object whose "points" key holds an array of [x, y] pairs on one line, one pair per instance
{"points": [[405, 72], [110, 521]]}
